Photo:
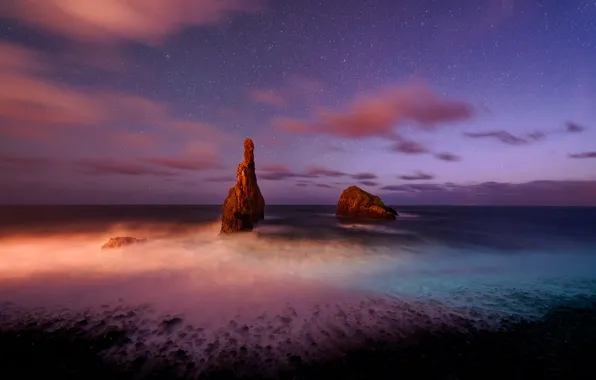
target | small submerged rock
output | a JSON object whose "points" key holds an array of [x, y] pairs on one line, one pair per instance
{"points": [[122, 241], [357, 203]]}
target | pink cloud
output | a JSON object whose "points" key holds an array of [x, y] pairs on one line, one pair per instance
{"points": [[379, 115], [148, 21], [189, 160], [34, 107], [29, 98], [14, 58], [197, 155]]}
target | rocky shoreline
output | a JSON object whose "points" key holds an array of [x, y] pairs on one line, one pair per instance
{"points": [[560, 346]]}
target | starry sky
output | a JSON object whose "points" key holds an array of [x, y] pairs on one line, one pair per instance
{"points": [[418, 101]]}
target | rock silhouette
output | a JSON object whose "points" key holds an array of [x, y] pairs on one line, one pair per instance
{"points": [[244, 206], [122, 241], [357, 203]]}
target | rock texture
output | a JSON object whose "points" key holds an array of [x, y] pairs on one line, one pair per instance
{"points": [[244, 206], [122, 241], [357, 203]]}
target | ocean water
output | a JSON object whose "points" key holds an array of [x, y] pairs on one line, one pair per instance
{"points": [[304, 283]]}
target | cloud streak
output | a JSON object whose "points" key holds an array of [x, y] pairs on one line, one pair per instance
{"points": [[320, 171], [572, 127], [369, 183], [195, 157], [364, 176], [502, 136], [409, 147], [449, 157], [148, 21], [534, 193], [280, 172], [510, 139], [583, 155], [418, 176]]}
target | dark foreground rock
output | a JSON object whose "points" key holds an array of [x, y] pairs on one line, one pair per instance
{"points": [[244, 206], [122, 241], [357, 203], [560, 346]]}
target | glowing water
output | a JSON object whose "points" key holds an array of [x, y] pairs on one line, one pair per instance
{"points": [[268, 295]]}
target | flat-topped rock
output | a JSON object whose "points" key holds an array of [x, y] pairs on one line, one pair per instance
{"points": [[122, 241], [357, 203]]}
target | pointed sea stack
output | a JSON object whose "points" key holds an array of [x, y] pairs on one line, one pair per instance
{"points": [[357, 203], [244, 205]]}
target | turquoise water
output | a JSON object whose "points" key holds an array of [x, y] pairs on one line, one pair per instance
{"points": [[302, 276]]}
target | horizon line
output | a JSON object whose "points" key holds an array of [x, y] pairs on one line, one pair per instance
{"points": [[273, 204]]}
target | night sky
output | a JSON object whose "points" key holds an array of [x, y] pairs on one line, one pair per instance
{"points": [[420, 102]]}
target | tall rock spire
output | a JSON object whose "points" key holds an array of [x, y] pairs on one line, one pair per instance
{"points": [[244, 206]]}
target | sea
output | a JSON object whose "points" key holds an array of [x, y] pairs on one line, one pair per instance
{"points": [[304, 288]]}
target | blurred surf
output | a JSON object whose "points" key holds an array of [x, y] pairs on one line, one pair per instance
{"points": [[304, 283]]}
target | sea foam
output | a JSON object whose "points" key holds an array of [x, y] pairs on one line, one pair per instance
{"points": [[196, 296]]}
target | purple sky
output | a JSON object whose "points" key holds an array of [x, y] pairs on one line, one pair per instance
{"points": [[420, 102]]}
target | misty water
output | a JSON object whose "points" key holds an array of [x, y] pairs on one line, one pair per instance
{"points": [[304, 283]]}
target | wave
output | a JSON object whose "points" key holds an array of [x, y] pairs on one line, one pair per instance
{"points": [[200, 297], [205, 295], [376, 228], [406, 215]]}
